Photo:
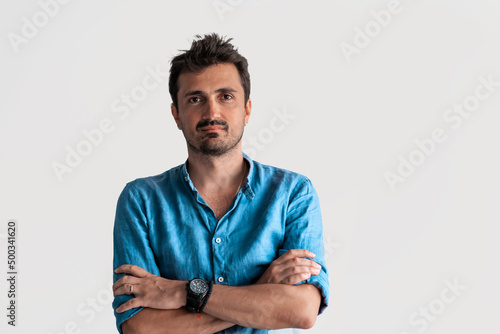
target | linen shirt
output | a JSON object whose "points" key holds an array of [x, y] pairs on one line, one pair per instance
{"points": [[164, 226]]}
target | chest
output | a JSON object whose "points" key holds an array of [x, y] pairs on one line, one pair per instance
{"points": [[219, 203], [239, 248]]}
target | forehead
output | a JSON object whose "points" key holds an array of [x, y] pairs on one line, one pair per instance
{"points": [[211, 79]]}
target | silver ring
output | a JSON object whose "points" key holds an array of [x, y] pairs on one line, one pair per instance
{"points": [[131, 288]]}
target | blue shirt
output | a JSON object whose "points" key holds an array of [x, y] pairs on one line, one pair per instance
{"points": [[164, 226]]}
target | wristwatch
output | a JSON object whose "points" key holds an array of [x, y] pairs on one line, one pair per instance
{"points": [[197, 289]]}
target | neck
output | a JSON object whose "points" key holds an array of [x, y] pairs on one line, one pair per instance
{"points": [[216, 172]]}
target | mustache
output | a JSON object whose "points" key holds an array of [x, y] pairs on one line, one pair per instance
{"points": [[212, 122]]}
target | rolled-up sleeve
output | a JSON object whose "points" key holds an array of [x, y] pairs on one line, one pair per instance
{"points": [[130, 243], [304, 230]]}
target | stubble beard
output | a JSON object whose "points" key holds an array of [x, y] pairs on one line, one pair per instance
{"points": [[214, 148]]}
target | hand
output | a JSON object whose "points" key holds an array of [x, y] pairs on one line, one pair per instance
{"points": [[291, 268], [149, 290]]}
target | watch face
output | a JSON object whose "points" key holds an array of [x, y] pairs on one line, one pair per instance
{"points": [[198, 286]]}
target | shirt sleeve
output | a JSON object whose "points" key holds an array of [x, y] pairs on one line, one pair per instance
{"points": [[304, 230], [130, 244]]}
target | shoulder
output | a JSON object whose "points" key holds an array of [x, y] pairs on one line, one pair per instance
{"points": [[280, 177], [268, 171], [154, 183]]}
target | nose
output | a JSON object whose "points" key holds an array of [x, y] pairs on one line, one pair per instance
{"points": [[211, 110]]}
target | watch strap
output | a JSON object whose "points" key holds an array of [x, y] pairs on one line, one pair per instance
{"points": [[210, 286]]}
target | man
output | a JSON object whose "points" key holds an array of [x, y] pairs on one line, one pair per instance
{"points": [[221, 243]]}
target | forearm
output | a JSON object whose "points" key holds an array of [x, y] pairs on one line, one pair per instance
{"points": [[269, 306], [275, 302], [154, 321]]}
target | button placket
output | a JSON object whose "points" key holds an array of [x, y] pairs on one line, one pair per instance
{"points": [[219, 244]]}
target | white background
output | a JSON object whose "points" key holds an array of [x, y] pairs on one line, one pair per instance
{"points": [[389, 251]]}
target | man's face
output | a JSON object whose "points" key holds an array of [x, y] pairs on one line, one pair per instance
{"points": [[211, 109]]}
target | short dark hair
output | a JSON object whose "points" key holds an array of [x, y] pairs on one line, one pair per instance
{"points": [[206, 51]]}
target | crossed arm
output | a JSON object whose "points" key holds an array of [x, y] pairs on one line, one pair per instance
{"points": [[273, 302]]}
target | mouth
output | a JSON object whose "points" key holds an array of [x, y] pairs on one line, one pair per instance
{"points": [[212, 128]]}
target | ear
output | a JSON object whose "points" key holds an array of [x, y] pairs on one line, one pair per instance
{"points": [[248, 110], [175, 114]]}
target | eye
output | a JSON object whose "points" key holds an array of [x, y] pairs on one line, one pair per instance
{"points": [[227, 96], [194, 99]]}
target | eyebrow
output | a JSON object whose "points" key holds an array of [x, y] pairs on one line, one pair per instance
{"points": [[220, 90]]}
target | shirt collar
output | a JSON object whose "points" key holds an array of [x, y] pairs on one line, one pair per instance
{"points": [[247, 188]]}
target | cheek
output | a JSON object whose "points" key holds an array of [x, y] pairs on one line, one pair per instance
{"points": [[186, 122], [179, 124]]}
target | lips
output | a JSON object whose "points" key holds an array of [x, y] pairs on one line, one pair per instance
{"points": [[212, 128]]}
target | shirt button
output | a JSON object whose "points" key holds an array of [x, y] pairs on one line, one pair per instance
{"points": [[218, 240], [220, 279], [185, 178]]}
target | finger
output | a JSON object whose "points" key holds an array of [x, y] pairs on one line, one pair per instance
{"points": [[126, 289], [296, 278], [126, 280], [132, 270], [128, 305], [292, 271], [297, 270], [293, 253], [299, 261], [296, 264]]}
